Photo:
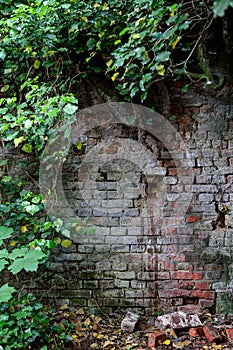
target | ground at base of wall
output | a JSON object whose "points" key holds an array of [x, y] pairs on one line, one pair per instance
{"points": [[97, 331]]}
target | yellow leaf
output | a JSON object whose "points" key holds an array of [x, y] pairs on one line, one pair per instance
{"points": [[160, 69], [138, 21], [66, 243], [96, 5], [167, 342], [109, 63], [13, 243], [28, 49], [87, 322], [94, 346], [74, 336], [114, 76], [216, 347], [105, 7], [5, 88], [19, 184], [64, 307], [57, 240], [136, 36], [172, 14], [85, 19], [173, 45], [24, 229], [147, 55], [18, 140], [99, 336], [37, 64], [107, 343], [97, 319]]}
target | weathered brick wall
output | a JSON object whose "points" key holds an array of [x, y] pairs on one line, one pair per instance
{"points": [[139, 258]]}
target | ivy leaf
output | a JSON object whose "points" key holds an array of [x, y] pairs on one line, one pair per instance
{"points": [[32, 209], [66, 243], [2, 54], [29, 262], [220, 7], [18, 140], [37, 64], [3, 263], [6, 293], [3, 162], [5, 88], [115, 76], [70, 108], [27, 148], [136, 36], [160, 69], [28, 123], [5, 233]]}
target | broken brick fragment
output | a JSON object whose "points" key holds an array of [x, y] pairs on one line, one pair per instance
{"points": [[156, 338], [196, 332], [229, 333], [211, 334]]}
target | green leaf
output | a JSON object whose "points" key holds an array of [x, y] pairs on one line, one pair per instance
{"points": [[79, 145], [29, 262], [3, 253], [220, 7], [5, 88], [27, 148], [32, 209], [2, 54], [37, 64], [6, 178], [17, 253], [28, 123], [173, 117], [70, 108], [3, 162], [66, 243], [5, 233], [185, 88], [6, 293], [124, 31], [3, 263]]}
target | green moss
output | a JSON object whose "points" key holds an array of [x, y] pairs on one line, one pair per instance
{"points": [[224, 303]]}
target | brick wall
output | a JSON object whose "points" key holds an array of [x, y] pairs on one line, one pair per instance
{"points": [[138, 257]]}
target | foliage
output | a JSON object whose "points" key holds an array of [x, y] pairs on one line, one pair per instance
{"points": [[26, 233], [220, 6], [25, 324]]}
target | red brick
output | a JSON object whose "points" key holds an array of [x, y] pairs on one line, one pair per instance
{"points": [[229, 333], [169, 266], [196, 332], [193, 218], [174, 293], [211, 333], [156, 338], [203, 294], [202, 285], [186, 275], [186, 284]]}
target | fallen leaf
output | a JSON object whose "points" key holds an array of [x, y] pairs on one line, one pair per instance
{"points": [[167, 342], [181, 344], [64, 307], [107, 343]]}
